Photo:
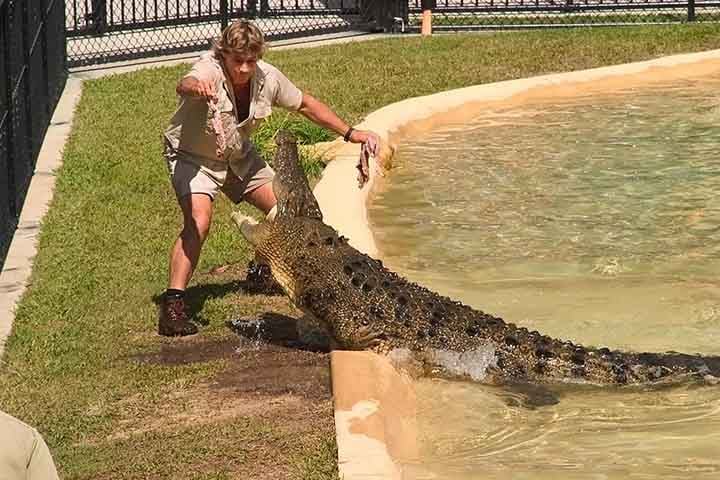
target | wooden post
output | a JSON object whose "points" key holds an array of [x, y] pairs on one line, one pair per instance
{"points": [[427, 8], [426, 28]]}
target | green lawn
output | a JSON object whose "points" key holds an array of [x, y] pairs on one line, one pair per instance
{"points": [[71, 366]]}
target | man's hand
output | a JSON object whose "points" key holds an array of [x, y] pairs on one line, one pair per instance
{"points": [[321, 114], [196, 88], [370, 148]]}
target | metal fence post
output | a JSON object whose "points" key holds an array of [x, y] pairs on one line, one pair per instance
{"points": [[26, 163], [224, 14], [98, 16], [691, 11]]}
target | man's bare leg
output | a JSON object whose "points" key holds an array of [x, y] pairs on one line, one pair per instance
{"points": [[197, 214], [262, 198], [184, 256]]}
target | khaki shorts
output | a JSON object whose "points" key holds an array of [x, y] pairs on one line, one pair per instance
{"points": [[190, 175]]}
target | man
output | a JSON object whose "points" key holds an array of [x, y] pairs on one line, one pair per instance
{"points": [[23, 452], [223, 98]]}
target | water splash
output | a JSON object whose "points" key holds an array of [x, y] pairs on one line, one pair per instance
{"points": [[472, 363], [253, 330]]}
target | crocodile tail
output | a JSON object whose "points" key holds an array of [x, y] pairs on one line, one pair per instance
{"points": [[637, 368], [660, 366], [533, 355]]}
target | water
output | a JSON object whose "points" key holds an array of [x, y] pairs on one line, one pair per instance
{"points": [[468, 431], [594, 219]]}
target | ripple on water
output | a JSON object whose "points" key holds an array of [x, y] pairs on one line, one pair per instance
{"points": [[591, 433], [594, 220]]}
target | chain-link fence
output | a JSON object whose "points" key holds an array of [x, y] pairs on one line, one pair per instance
{"points": [[32, 77], [108, 30], [455, 15]]}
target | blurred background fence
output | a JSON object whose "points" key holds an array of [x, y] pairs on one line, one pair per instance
{"points": [[109, 30], [457, 15], [102, 31]]}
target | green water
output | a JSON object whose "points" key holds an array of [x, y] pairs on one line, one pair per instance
{"points": [[595, 220]]}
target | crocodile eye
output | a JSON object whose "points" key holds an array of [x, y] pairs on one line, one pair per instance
{"points": [[356, 281], [329, 241]]}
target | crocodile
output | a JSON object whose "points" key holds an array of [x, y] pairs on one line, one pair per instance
{"points": [[364, 305]]}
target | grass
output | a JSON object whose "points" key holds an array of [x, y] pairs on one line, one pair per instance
{"points": [[558, 17], [71, 367]]}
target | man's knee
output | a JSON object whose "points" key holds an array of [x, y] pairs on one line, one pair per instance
{"points": [[198, 228], [197, 215], [262, 198]]}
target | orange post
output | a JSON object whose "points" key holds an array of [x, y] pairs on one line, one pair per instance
{"points": [[426, 28]]}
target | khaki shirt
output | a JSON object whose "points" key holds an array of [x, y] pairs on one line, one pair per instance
{"points": [[190, 131], [23, 452]]}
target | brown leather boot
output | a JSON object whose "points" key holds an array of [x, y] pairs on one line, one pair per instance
{"points": [[174, 321]]}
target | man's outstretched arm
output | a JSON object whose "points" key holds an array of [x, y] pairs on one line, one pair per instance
{"points": [[318, 112]]}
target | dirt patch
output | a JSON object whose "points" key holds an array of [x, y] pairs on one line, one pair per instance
{"points": [[284, 389], [263, 380], [275, 380]]}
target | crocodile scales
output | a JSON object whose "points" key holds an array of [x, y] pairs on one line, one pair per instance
{"points": [[366, 306]]}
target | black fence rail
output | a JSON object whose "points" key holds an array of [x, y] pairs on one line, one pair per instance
{"points": [[455, 15], [32, 76], [101, 31]]}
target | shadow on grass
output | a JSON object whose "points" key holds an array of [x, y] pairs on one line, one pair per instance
{"points": [[283, 331], [269, 335], [256, 281]]}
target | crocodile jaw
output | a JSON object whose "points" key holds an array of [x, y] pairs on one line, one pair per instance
{"points": [[248, 227], [256, 233]]}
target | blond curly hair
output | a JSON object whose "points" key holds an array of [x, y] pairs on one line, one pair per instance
{"points": [[241, 37]]}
